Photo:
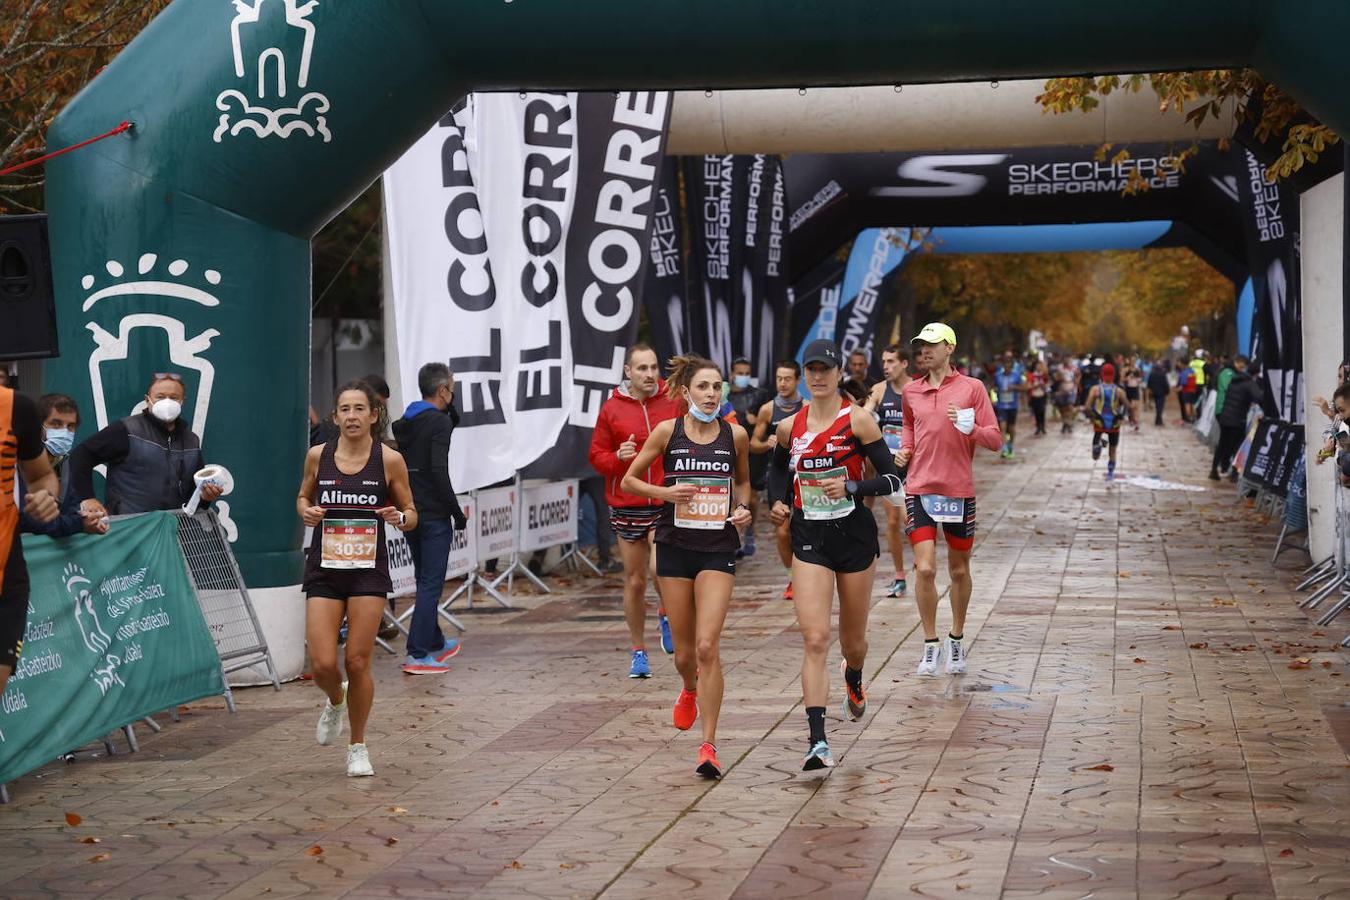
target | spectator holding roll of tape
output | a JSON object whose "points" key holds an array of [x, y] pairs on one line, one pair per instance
{"points": [[151, 457]]}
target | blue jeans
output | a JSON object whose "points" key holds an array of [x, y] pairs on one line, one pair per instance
{"points": [[430, 546]]}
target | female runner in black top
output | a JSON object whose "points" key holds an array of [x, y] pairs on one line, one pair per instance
{"points": [[707, 499], [834, 537], [353, 487]]}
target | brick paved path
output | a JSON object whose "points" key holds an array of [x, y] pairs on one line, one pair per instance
{"points": [[1136, 722]]}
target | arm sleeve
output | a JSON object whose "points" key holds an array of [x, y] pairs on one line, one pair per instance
{"points": [[779, 480], [987, 432], [604, 454], [107, 446], [887, 479]]}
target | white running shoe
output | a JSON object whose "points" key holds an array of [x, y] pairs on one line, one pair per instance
{"points": [[358, 761], [330, 720], [956, 657], [928, 665]]}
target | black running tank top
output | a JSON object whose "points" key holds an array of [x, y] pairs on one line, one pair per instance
{"points": [[354, 497], [685, 459]]}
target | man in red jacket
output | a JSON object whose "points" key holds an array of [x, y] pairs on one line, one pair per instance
{"points": [[946, 416], [624, 424]]}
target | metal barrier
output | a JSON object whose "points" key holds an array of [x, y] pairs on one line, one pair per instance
{"points": [[222, 596]]}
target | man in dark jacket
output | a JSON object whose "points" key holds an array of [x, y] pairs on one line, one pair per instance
{"points": [[151, 457], [60, 418], [1243, 390], [423, 436]]}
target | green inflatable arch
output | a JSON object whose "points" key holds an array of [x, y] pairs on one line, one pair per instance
{"points": [[185, 244]]}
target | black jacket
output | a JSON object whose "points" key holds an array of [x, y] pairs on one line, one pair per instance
{"points": [[424, 441], [149, 466], [1243, 391], [1157, 381]]}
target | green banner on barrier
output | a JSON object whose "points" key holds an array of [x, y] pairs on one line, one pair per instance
{"points": [[114, 633]]}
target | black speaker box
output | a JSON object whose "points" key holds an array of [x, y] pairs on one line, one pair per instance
{"points": [[27, 303]]}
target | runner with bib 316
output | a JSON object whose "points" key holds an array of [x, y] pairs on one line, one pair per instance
{"points": [[816, 478], [946, 415]]}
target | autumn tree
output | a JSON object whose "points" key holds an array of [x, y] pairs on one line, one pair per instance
{"points": [[1275, 118], [49, 50]]}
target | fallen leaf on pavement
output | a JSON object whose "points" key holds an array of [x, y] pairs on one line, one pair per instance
{"points": [[90, 840], [397, 809], [72, 820], [1104, 767], [1286, 852], [316, 850], [389, 842], [1138, 660], [100, 857]]}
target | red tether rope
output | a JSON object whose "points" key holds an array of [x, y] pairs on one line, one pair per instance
{"points": [[125, 126]]}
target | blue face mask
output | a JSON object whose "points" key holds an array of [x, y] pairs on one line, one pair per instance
{"points": [[741, 381], [705, 418], [58, 441]]}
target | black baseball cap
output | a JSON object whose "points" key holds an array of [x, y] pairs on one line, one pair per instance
{"points": [[821, 351]]}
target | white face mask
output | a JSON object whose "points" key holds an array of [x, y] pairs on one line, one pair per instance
{"points": [[166, 409]]}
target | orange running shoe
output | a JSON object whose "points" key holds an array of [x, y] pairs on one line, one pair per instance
{"points": [[787, 592], [708, 766], [686, 709], [855, 699]]}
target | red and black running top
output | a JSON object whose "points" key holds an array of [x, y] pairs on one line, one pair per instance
{"points": [[834, 447]]}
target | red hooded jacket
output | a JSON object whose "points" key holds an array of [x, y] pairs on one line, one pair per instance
{"points": [[620, 416]]}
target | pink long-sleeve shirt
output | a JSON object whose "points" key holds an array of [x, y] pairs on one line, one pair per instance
{"points": [[942, 454]]}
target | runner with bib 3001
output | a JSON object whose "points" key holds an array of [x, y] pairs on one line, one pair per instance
{"points": [[707, 498]]}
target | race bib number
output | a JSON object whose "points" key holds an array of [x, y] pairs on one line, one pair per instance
{"points": [[944, 509], [815, 505], [891, 435], [709, 509], [349, 543]]}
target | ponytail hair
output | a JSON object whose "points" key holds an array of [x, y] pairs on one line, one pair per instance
{"points": [[682, 371]]}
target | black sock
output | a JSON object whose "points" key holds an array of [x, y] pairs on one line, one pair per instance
{"points": [[815, 721], [853, 677], [955, 637], [931, 640]]}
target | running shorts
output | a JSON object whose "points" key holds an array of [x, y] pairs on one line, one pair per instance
{"points": [[1005, 415], [679, 562], [1131, 393], [842, 545], [632, 523], [920, 526], [339, 585], [1112, 437], [13, 608], [1063, 398]]}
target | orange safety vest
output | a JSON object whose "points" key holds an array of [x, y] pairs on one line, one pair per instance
{"points": [[9, 461]]}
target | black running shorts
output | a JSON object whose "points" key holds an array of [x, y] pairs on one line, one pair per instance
{"points": [[1112, 437], [841, 545], [920, 526], [679, 562], [1006, 416], [13, 606]]}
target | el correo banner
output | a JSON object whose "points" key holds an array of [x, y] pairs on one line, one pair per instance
{"points": [[496, 522], [114, 634], [549, 515], [464, 543]]}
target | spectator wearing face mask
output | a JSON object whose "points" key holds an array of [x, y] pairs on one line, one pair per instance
{"points": [[151, 457], [60, 418]]}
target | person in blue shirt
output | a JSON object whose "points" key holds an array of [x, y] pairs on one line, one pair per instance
{"points": [[1009, 382], [60, 418]]}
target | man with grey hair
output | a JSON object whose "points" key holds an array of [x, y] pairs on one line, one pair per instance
{"points": [[423, 436]]}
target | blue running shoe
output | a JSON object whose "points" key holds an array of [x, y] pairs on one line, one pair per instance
{"points": [[1096, 449], [749, 545], [425, 665], [667, 640], [450, 648], [640, 667], [819, 757]]}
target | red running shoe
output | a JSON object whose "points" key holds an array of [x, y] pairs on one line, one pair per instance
{"points": [[708, 766], [686, 709], [787, 592]]}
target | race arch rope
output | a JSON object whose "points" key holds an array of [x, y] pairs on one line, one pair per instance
{"points": [[184, 243]]}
